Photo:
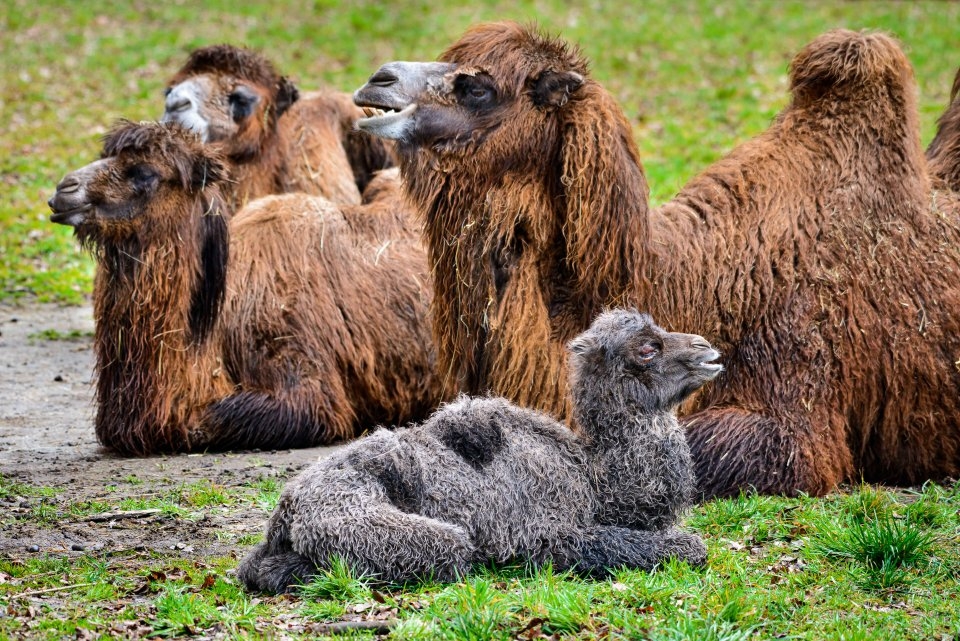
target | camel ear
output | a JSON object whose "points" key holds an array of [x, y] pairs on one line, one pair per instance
{"points": [[287, 94], [554, 88], [582, 344]]}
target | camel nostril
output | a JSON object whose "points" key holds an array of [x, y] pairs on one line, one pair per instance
{"points": [[175, 106], [701, 343], [68, 185], [50, 203], [383, 78]]}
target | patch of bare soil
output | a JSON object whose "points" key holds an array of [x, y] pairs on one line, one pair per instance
{"points": [[47, 440]]}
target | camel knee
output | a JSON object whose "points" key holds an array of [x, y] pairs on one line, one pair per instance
{"points": [[735, 450]]}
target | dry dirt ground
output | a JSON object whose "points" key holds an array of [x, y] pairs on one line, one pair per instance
{"points": [[47, 440]]}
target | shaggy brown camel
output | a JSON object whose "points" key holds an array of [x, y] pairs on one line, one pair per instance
{"points": [[300, 323], [274, 139], [815, 256], [943, 154]]}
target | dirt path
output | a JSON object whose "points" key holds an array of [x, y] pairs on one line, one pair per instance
{"points": [[47, 440]]}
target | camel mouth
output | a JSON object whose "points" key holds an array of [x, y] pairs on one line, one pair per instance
{"points": [[708, 365], [72, 217], [382, 117]]}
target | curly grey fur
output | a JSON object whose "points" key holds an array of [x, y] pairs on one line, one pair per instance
{"points": [[483, 480]]}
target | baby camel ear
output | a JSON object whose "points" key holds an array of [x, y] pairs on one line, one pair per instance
{"points": [[553, 88], [583, 344]]}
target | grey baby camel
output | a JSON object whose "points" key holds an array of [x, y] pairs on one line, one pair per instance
{"points": [[482, 480]]}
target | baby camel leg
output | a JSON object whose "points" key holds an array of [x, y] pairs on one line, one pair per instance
{"points": [[380, 541], [386, 543], [607, 547]]}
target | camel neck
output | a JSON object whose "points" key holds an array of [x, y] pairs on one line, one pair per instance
{"points": [[153, 365]]}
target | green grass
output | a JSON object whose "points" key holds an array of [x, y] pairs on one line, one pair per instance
{"points": [[870, 563], [56, 335], [694, 79], [867, 563]]}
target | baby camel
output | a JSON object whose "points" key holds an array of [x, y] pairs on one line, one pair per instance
{"points": [[484, 480]]}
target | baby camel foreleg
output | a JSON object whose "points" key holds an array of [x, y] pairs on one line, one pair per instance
{"points": [[385, 543], [604, 548]]}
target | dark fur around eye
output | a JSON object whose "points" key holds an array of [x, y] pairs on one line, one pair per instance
{"points": [[142, 177], [242, 102], [475, 92]]}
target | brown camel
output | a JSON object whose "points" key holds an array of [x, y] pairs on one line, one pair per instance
{"points": [[815, 256], [943, 154], [298, 323], [274, 139]]}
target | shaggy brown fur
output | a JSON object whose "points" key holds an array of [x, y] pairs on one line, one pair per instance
{"points": [[276, 140], [323, 331], [943, 154], [814, 256]]}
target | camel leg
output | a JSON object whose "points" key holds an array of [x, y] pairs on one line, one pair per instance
{"points": [[301, 416], [274, 571], [607, 547], [736, 450], [384, 542], [379, 541]]}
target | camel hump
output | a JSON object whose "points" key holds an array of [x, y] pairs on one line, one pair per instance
{"points": [[844, 59], [473, 428]]}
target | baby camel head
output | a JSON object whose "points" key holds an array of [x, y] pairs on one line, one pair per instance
{"points": [[231, 96], [626, 357], [147, 171]]}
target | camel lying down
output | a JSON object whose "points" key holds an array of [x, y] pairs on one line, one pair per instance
{"points": [[483, 480]]}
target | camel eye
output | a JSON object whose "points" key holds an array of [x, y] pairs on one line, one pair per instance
{"points": [[142, 176], [475, 92], [647, 352], [242, 101]]}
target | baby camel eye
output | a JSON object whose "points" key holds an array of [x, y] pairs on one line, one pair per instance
{"points": [[479, 92], [647, 352]]}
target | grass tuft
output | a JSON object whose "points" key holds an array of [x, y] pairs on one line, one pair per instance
{"points": [[338, 583], [885, 545]]}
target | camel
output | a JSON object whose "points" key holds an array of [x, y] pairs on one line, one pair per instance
{"points": [[943, 154], [815, 257], [274, 139], [485, 481], [299, 322]]}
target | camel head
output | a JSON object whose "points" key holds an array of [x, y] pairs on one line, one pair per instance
{"points": [[498, 79], [229, 96], [147, 171], [943, 154], [624, 354]]}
